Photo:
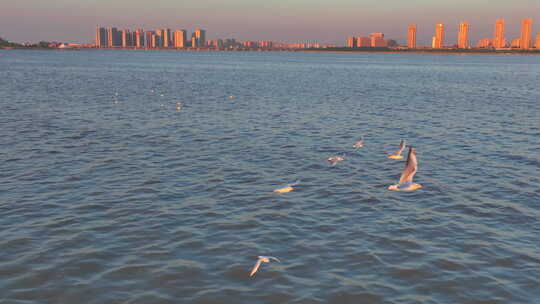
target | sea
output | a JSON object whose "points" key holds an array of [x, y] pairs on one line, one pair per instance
{"points": [[131, 176]]}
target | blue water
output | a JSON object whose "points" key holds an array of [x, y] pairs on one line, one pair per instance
{"points": [[108, 194]]}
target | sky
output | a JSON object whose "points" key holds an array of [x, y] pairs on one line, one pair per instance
{"points": [[329, 21]]}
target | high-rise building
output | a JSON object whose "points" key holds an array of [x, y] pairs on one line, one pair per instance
{"points": [[516, 43], [101, 37], [126, 38], [363, 42], [200, 36], [526, 28], [180, 39], [148, 38], [411, 36], [138, 38], [498, 38], [377, 40], [463, 35], [351, 42], [194, 41], [438, 39], [538, 41], [166, 38], [113, 37]]}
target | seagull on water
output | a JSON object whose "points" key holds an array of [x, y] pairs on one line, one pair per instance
{"points": [[360, 143], [335, 159], [287, 188], [262, 259], [397, 154], [406, 179]]}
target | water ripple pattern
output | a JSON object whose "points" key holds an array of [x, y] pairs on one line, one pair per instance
{"points": [[110, 193]]}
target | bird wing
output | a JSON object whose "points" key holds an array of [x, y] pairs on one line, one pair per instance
{"points": [[256, 267], [274, 258], [401, 148], [410, 168], [294, 184]]}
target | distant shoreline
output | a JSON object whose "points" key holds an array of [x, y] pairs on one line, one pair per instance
{"points": [[313, 50]]}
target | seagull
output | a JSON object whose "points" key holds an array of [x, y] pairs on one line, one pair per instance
{"points": [[287, 188], [397, 154], [178, 106], [262, 259], [360, 143], [231, 97], [335, 159], [406, 179]]}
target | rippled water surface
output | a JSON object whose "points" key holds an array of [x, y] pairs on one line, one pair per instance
{"points": [[108, 194]]}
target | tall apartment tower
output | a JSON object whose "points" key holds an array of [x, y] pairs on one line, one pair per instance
{"points": [[138, 38], [126, 38], [101, 37], [180, 37], [438, 39], [411, 36], [538, 41], [113, 37], [166, 38], [463, 35], [498, 38], [148, 38], [526, 28], [200, 36]]}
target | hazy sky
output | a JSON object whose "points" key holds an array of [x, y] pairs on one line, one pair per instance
{"points": [[283, 20]]}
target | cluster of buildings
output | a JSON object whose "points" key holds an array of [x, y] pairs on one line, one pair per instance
{"points": [[374, 40], [498, 41], [139, 38], [178, 39]]}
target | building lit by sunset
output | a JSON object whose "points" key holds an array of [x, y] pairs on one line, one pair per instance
{"points": [[438, 40], [538, 41], [377, 40], [363, 42], [138, 38], [101, 37], [180, 37], [484, 43], [516, 43], [351, 42], [200, 38], [113, 37], [463, 35], [498, 39], [411, 37], [526, 28]]}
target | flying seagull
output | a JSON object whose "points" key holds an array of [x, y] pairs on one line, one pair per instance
{"points": [[397, 154], [262, 259], [406, 179]]}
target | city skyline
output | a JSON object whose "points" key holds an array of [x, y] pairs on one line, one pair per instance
{"points": [[290, 22]]}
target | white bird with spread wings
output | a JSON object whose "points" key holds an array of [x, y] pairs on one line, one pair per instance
{"points": [[397, 154], [262, 259], [406, 179]]}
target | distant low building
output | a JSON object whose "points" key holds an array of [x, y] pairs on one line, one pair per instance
{"points": [[516, 43], [377, 40], [351, 42], [363, 42], [484, 43]]}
